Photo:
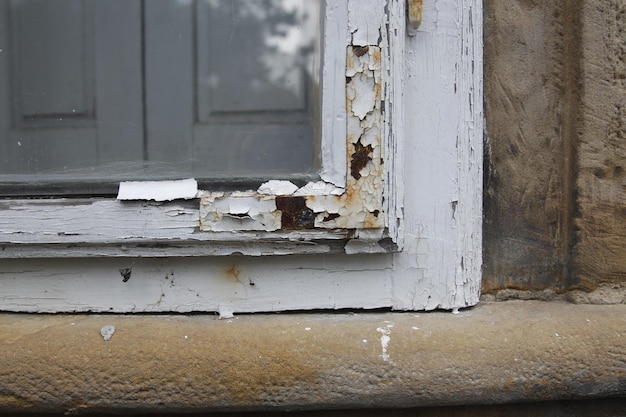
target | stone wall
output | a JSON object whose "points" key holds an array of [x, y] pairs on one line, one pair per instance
{"points": [[601, 185], [555, 101]]}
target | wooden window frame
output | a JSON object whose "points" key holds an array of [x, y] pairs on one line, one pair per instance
{"points": [[347, 210], [413, 234]]}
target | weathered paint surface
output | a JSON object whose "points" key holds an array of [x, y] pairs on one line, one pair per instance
{"points": [[358, 206], [318, 211], [430, 101], [158, 190]]}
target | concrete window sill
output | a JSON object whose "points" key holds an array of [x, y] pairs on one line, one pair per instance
{"points": [[494, 353]]}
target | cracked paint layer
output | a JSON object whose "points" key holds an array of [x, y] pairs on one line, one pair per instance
{"points": [[281, 206]]}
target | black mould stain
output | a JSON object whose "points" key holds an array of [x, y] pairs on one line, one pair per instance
{"points": [[125, 273]]}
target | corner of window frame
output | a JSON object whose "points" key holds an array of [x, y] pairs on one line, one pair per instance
{"points": [[431, 129], [353, 208]]}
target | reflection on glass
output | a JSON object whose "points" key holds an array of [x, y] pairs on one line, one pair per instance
{"points": [[106, 91]]}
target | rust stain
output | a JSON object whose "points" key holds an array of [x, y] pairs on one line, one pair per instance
{"points": [[371, 221], [233, 273], [377, 58], [295, 215], [414, 13], [359, 159], [360, 50], [350, 197]]}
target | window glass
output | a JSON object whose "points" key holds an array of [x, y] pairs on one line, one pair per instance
{"points": [[107, 90]]}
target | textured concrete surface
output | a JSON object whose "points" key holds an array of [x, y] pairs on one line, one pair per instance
{"points": [[494, 353]]}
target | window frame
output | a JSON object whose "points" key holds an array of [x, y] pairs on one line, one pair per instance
{"points": [[433, 127], [347, 210]]}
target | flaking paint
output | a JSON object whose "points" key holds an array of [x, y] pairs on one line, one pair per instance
{"points": [[279, 205], [431, 96]]}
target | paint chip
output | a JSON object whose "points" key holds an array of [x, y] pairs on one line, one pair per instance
{"points": [[275, 187], [158, 190], [107, 332]]}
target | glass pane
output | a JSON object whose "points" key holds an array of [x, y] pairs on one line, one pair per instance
{"points": [[106, 90]]}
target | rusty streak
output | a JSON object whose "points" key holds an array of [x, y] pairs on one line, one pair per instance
{"points": [[359, 159]]}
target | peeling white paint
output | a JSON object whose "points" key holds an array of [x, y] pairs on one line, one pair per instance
{"points": [[158, 190], [276, 187], [238, 211], [323, 205], [365, 21], [428, 134], [319, 188]]}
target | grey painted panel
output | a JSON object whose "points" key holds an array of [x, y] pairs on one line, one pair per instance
{"points": [[256, 56], [55, 152], [119, 81], [5, 111], [169, 79], [210, 106], [83, 59], [247, 149], [52, 58]]}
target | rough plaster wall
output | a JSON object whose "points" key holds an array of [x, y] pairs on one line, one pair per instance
{"points": [[601, 241], [528, 96]]}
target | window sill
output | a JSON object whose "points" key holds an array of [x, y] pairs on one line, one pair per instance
{"points": [[494, 353]]}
